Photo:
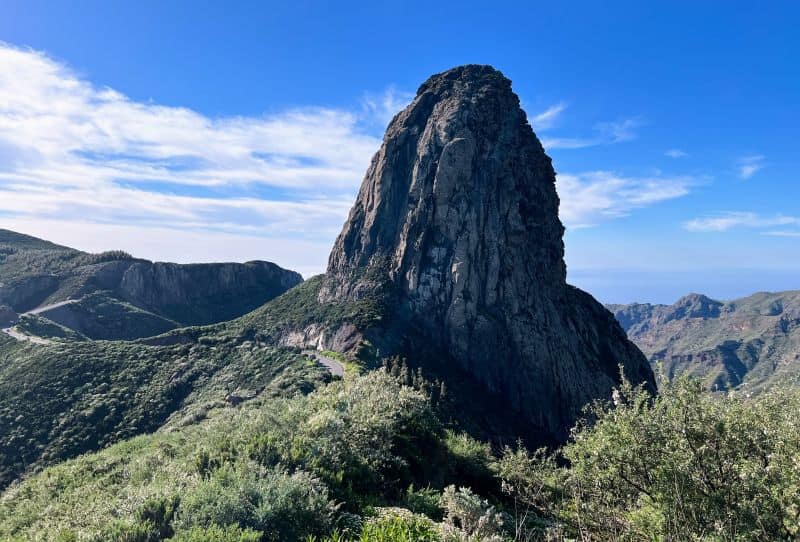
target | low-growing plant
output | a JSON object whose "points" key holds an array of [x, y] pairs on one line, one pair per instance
{"points": [[215, 533], [685, 465]]}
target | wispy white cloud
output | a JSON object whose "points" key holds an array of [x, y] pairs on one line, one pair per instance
{"points": [[725, 221], [384, 106], [606, 133], [594, 197], [547, 118], [750, 165], [70, 150], [619, 131], [676, 153], [569, 142], [87, 166]]}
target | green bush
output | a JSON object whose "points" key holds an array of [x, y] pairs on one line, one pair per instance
{"points": [[685, 465], [130, 531], [392, 525], [158, 513], [364, 437], [215, 533], [424, 501], [283, 506], [470, 462], [399, 529], [469, 517]]}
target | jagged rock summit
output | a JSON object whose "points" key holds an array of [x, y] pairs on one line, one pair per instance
{"points": [[456, 223]]}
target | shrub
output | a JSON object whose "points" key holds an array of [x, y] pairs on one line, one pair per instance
{"points": [[424, 501], [215, 533], [470, 462], [470, 518], [129, 531], [294, 506], [410, 528], [158, 513], [362, 436], [283, 506], [391, 525], [152, 523], [67, 535], [685, 465]]}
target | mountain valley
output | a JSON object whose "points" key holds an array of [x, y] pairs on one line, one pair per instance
{"points": [[750, 343]]}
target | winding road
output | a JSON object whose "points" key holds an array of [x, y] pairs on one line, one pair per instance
{"points": [[335, 367], [14, 333]]}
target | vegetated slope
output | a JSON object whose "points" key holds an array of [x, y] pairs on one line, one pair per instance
{"points": [[288, 468], [122, 297], [752, 342], [369, 458], [66, 398]]}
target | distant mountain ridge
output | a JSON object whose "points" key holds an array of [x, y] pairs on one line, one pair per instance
{"points": [[122, 297], [752, 342]]}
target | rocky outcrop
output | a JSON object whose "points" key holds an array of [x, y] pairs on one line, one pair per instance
{"points": [[204, 293], [456, 226]]}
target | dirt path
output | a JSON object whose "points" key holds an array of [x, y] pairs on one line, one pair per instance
{"points": [[335, 367], [14, 333], [45, 308]]}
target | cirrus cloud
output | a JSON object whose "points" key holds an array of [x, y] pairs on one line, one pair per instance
{"points": [[725, 221], [83, 164], [598, 196], [73, 151]]}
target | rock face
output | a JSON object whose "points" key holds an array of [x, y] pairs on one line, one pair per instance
{"points": [[457, 222], [204, 293]]}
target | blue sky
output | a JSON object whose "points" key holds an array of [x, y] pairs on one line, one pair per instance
{"points": [[198, 131]]}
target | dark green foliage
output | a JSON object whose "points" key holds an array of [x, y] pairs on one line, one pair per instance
{"points": [[215, 533], [108, 256], [64, 399], [426, 501], [469, 462], [300, 307], [151, 523], [407, 528], [159, 513], [129, 531]]}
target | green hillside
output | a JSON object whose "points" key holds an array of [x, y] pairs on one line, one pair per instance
{"points": [[118, 297], [369, 458]]}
